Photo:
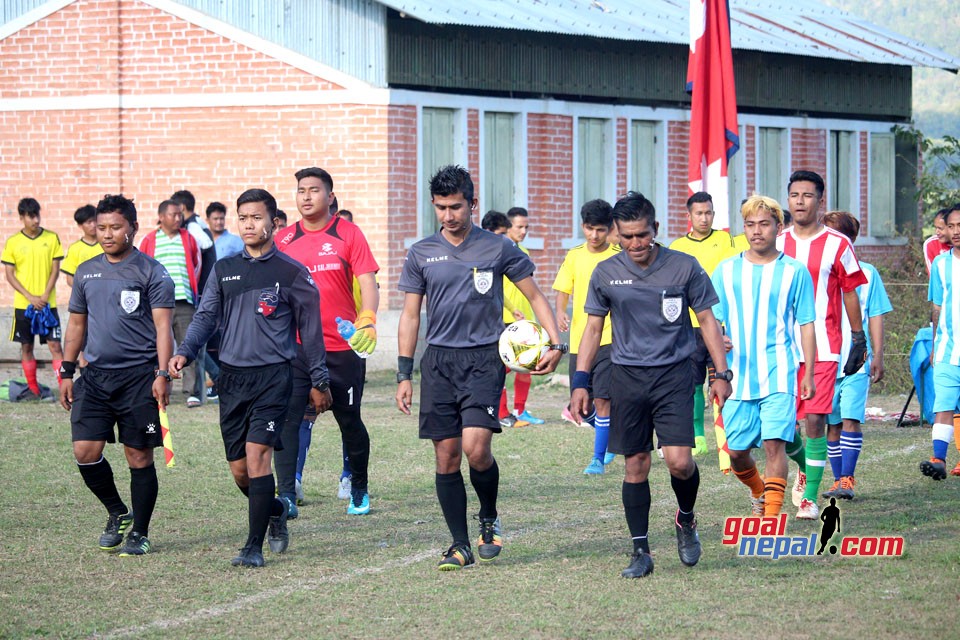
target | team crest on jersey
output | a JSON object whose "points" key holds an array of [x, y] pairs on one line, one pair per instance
{"points": [[482, 280], [129, 300], [268, 300], [671, 308]]}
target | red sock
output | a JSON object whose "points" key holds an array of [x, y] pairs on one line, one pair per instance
{"points": [[56, 369], [503, 403], [521, 390], [30, 372]]}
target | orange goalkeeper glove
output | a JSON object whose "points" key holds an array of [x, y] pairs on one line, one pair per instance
{"points": [[365, 339]]}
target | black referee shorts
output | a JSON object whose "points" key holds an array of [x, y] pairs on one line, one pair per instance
{"points": [[647, 400], [123, 397], [253, 406], [459, 388]]}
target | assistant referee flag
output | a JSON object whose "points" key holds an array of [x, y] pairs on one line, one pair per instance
{"points": [[714, 134]]}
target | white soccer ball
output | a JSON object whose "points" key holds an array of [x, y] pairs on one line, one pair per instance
{"points": [[522, 344]]}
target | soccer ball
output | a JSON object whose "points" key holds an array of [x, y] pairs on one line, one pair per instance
{"points": [[522, 344]]}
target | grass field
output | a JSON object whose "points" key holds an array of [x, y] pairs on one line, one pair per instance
{"points": [[375, 576]]}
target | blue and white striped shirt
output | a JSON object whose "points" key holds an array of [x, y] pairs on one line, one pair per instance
{"points": [[944, 276], [759, 305]]}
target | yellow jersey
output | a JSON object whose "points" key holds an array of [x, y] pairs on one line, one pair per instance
{"points": [[513, 298], [740, 243], [574, 278], [32, 260], [78, 253], [709, 252]]}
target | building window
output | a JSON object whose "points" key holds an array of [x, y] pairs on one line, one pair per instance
{"points": [[842, 175], [500, 161], [438, 148], [882, 185], [645, 158], [772, 165], [595, 167]]}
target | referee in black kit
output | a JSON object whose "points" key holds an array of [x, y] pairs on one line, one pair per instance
{"points": [[647, 289], [460, 271], [259, 299], [121, 305]]}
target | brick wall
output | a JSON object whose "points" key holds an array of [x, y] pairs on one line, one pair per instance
{"points": [[550, 177], [678, 140], [401, 202]]}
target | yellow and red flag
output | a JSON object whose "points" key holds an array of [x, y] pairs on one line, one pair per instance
{"points": [[723, 451], [167, 440]]}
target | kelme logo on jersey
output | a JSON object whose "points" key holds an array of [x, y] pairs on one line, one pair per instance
{"points": [[268, 300], [482, 280], [757, 537], [129, 300]]}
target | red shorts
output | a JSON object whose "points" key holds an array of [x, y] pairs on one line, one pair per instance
{"points": [[825, 379]]}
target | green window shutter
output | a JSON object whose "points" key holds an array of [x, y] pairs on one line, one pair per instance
{"points": [[437, 149], [499, 161], [882, 185], [644, 158]]}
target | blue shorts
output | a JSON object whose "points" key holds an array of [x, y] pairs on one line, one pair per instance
{"points": [[850, 398], [749, 422], [946, 387]]}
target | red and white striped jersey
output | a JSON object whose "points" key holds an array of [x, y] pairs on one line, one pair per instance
{"points": [[835, 270], [931, 249]]}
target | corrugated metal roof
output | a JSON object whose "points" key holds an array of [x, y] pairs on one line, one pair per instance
{"points": [[777, 26]]}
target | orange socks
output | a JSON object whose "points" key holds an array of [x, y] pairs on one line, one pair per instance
{"points": [[773, 496], [751, 478]]}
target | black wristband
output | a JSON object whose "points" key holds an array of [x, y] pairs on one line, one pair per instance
{"points": [[67, 370], [580, 380], [405, 365]]}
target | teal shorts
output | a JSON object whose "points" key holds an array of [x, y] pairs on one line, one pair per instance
{"points": [[850, 398], [749, 422]]}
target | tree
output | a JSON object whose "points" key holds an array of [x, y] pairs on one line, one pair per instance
{"points": [[938, 176]]}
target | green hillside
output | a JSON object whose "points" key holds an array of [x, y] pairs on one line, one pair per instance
{"points": [[936, 93]]}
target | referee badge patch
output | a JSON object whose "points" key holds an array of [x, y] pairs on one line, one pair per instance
{"points": [[671, 307], [129, 300], [482, 280], [268, 300]]}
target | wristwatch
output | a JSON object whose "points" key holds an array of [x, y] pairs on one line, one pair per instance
{"points": [[163, 373], [323, 386], [561, 347], [726, 375], [403, 376]]}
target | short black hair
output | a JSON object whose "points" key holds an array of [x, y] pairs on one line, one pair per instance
{"points": [[259, 195], [699, 196], [954, 207], [597, 212], [634, 206], [346, 214], [117, 203], [282, 215], [185, 198], [334, 206], [166, 203], [84, 213], [807, 176], [493, 220], [941, 214], [315, 172], [450, 180], [216, 206], [513, 212], [28, 207]]}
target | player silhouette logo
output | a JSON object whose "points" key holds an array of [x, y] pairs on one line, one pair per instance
{"points": [[830, 517]]}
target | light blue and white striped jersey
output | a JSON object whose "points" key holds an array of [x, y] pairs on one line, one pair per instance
{"points": [[759, 305], [873, 302], [944, 278]]}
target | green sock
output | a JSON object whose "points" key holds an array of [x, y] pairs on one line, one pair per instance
{"points": [[796, 453], [698, 405], [816, 463]]}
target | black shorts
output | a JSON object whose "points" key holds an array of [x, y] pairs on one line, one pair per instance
{"points": [[458, 388], [253, 406], [347, 371], [648, 400], [123, 397], [20, 331], [599, 385], [700, 359]]}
